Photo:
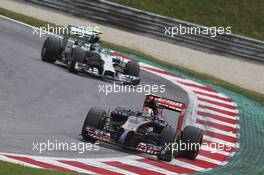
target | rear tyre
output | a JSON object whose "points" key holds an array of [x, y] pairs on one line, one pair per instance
{"points": [[167, 137], [51, 50], [77, 56], [132, 68], [96, 118], [191, 136]]}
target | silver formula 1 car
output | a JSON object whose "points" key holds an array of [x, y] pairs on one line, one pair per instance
{"points": [[146, 131], [80, 51]]}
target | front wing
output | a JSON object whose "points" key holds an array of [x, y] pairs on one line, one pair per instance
{"points": [[141, 147], [123, 79]]}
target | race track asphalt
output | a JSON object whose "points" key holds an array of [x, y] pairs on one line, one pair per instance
{"points": [[41, 101]]}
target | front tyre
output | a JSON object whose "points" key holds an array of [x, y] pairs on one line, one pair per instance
{"points": [[167, 139], [193, 137], [96, 118], [51, 49], [132, 68]]}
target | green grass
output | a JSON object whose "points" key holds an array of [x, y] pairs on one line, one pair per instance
{"points": [[14, 169], [244, 16]]}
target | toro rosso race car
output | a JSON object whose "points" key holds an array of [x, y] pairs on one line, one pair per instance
{"points": [[80, 51], [145, 131]]}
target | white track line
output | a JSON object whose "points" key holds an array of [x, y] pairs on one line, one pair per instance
{"points": [[212, 150], [7, 159], [207, 159], [217, 113], [217, 106], [216, 121], [186, 165], [217, 100], [212, 129], [202, 90], [100, 164], [54, 162], [148, 167], [212, 139]]}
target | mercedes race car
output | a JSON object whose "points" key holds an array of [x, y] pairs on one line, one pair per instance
{"points": [[146, 131], [80, 51]]}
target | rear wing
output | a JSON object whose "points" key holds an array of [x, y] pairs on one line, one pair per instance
{"points": [[165, 103], [168, 104]]}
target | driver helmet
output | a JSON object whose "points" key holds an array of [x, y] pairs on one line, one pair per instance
{"points": [[149, 111], [152, 106]]}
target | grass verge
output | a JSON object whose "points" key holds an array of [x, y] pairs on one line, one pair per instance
{"points": [[210, 79], [244, 16], [14, 169]]}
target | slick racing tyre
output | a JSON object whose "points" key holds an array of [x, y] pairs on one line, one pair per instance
{"points": [[192, 137], [77, 56], [51, 49], [132, 68], [95, 118], [167, 139]]}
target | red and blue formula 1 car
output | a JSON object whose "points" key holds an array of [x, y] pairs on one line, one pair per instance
{"points": [[145, 131]]}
